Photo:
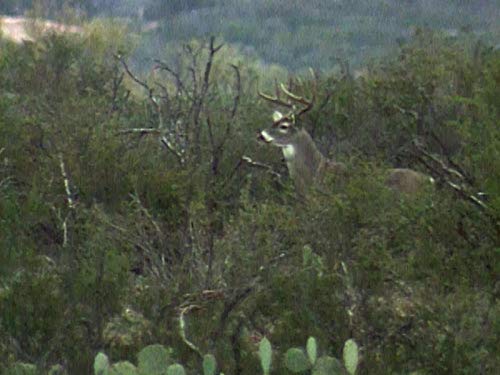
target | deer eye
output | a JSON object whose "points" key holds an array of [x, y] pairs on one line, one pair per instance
{"points": [[284, 126]]}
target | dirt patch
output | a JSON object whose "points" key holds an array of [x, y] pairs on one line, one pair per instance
{"points": [[16, 28]]}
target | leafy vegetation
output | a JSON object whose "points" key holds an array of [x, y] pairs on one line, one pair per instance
{"points": [[129, 215]]}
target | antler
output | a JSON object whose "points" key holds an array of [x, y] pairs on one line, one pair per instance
{"points": [[308, 104], [276, 99]]}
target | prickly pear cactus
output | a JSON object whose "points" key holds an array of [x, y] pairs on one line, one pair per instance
{"points": [[351, 356], [209, 364], [296, 360], [101, 364], [154, 359], [123, 368], [326, 365], [312, 350], [176, 369], [265, 355]]}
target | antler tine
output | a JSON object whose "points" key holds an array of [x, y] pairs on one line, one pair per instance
{"points": [[293, 96], [307, 103], [277, 89], [275, 100]]}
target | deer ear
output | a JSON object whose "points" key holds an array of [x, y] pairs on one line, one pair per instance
{"points": [[277, 115]]}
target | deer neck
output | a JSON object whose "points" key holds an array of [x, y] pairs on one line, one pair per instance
{"points": [[303, 159]]}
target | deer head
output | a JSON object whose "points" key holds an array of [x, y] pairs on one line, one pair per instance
{"points": [[305, 162], [283, 132]]}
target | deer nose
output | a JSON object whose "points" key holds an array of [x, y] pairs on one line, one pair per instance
{"points": [[264, 136]]}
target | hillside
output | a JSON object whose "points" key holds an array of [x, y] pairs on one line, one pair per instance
{"points": [[294, 34]]}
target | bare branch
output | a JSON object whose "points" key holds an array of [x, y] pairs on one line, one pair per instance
{"points": [[182, 328], [166, 95], [117, 82], [210, 133], [208, 68], [195, 302], [178, 81], [67, 188], [138, 81], [446, 174], [144, 210], [237, 96], [141, 131], [257, 164], [69, 199], [170, 147], [199, 104], [451, 171], [241, 294]]}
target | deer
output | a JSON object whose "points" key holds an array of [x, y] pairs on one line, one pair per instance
{"points": [[307, 166]]}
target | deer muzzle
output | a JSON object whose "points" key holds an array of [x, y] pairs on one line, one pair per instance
{"points": [[265, 137]]}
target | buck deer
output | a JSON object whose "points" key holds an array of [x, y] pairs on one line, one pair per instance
{"points": [[306, 164]]}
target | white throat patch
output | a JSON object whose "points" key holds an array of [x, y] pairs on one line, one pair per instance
{"points": [[288, 152]]}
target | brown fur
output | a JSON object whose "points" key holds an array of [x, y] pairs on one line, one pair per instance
{"points": [[307, 165], [406, 180]]}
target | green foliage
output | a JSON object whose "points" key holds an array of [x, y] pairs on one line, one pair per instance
{"points": [[107, 239], [57, 370], [103, 32], [22, 369], [127, 332]]}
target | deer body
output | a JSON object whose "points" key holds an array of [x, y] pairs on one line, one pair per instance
{"points": [[308, 166], [407, 180]]}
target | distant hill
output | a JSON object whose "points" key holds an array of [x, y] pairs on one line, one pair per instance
{"points": [[318, 33], [294, 33]]}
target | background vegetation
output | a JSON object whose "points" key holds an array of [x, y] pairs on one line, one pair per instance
{"points": [[126, 208], [292, 33]]}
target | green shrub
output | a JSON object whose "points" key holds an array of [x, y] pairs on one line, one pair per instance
{"points": [[110, 243]]}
